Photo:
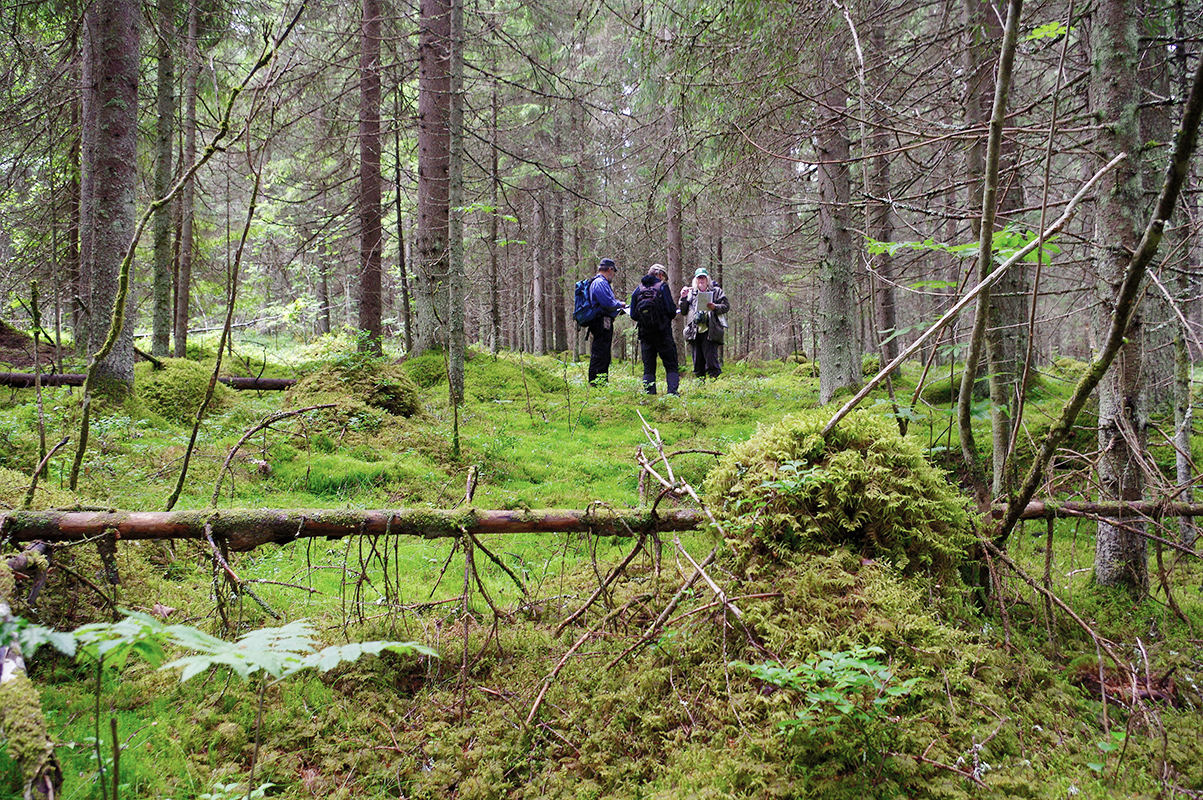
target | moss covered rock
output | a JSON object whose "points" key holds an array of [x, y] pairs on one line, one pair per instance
{"points": [[865, 488]]}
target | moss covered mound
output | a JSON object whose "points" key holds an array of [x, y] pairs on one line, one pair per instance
{"points": [[14, 485], [865, 488], [492, 378], [375, 382], [176, 391]]}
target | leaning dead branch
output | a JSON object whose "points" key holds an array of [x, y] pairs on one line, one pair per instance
{"points": [[267, 422], [1126, 300], [952, 313]]}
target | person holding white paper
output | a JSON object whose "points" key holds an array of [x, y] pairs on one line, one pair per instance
{"points": [[705, 308]]}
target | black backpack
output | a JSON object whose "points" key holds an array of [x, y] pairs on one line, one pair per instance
{"points": [[649, 307]]}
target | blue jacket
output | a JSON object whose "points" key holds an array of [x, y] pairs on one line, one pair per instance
{"points": [[603, 297]]}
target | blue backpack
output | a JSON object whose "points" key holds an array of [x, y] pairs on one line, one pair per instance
{"points": [[583, 309]]}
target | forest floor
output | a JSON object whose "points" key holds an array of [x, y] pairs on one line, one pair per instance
{"points": [[16, 349], [837, 633]]}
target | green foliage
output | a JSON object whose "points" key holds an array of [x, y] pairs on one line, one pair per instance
{"points": [[234, 791], [1006, 243], [277, 652], [176, 392], [846, 695], [865, 488], [1049, 30]]}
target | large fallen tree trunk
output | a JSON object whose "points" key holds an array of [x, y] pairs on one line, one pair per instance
{"points": [[246, 529], [25, 380]]}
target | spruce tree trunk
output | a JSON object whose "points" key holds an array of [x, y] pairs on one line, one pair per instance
{"points": [[839, 348], [163, 312], [432, 270], [1121, 552], [183, 288], [109, 165], [370, 183]]}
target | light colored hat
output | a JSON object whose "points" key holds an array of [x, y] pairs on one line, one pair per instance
{"points": [[657, 269], [700, 272]]}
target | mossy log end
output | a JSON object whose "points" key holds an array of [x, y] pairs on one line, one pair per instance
{"points": [[246, 529], [22, 724]]}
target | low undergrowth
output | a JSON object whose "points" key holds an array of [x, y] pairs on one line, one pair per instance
{"points": [[845, 658]]}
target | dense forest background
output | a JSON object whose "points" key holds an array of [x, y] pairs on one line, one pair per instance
{"points": [[187, 182], [438, 176], [766, 141]]}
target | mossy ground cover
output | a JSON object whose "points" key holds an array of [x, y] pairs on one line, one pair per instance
{"points": [[823, 549]]}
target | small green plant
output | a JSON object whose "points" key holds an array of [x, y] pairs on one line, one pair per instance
{"points": [[229, 791], [847, 695], [1107, 747]]}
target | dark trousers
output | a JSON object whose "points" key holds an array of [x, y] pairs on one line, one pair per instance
{"points": [[658, 343], [705, 357], [601, 332]]}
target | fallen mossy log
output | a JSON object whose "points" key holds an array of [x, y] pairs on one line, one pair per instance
{"points": [[26, 380], [246, 529]]}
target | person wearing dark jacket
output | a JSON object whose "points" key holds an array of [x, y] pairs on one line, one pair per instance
{"points": [[601, 329], [704, 327], [654, 316]]}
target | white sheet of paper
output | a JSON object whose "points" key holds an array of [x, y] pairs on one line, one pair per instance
{"points": [[705, 299]]}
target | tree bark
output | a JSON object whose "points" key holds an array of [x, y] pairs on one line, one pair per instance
{"points": [[183, 284], [370, 182], [839, 350], [161, 321], [434, 172], [247, 529], [109, 164], [456, 277], [880, 219], [1121, 552]]}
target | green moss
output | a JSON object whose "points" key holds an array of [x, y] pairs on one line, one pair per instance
{"points": [[427, 370], [866, 489], [176, 392], [373, 382], [24, 728], [14, 485]]}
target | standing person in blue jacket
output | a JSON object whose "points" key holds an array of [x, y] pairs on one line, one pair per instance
{"points": [[703, 327], [653, 309], [602, 326]]}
